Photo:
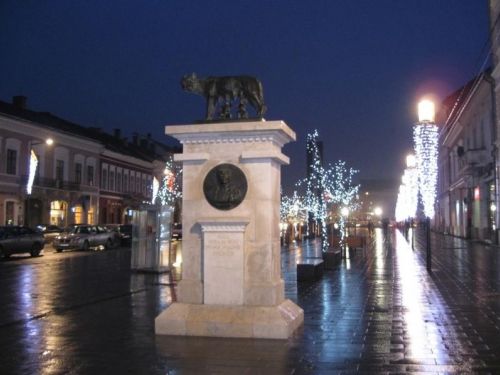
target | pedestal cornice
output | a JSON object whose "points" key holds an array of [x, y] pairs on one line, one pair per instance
{"points": [[223, 224], [276, 132]]}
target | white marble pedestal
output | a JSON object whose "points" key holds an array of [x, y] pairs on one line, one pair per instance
{"points": [[231, 278]]}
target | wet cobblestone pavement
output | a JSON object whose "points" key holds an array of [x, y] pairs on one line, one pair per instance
{"points": [[379, 312]]}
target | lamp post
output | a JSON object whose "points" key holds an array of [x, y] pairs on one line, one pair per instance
{"points": [[345, 213], [411, 174], [425, 137]]}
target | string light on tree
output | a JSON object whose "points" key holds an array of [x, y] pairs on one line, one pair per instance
{"points": [[292, 208], [168, 191], [332, 185], [315, 189]]}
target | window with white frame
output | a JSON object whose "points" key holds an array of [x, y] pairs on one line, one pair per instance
{"points": [[104, 179], [90, 175], [78, 173], [118, 180], [111, 180], [11, 160]]}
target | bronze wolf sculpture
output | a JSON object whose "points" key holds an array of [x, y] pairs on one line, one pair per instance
{"points": [[227, 89]]}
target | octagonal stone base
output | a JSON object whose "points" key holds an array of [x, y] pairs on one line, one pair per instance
{"points": [[269, 322]]}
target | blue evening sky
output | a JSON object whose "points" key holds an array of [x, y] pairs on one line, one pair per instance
{"points": [[353, 69]]}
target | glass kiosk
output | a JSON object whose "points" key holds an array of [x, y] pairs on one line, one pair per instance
{"points": [[151, 234]]}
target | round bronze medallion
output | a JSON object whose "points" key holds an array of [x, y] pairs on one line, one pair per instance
{"points": [[225, 186]]}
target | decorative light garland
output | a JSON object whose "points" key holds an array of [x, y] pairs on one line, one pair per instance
{"points": [[425, 136], [32, 172]]}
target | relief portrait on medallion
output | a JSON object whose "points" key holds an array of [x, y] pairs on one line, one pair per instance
{"points": [[225, 186]]}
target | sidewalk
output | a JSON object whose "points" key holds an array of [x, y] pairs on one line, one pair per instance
{"points": [[378, 312]]}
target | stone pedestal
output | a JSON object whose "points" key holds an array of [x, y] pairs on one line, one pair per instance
{"points": [[231, 279]]}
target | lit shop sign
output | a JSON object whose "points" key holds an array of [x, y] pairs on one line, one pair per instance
{"points": [[32, 171]]}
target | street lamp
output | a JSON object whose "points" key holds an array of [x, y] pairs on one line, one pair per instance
{"points": [[425, 137], [33, 163]]}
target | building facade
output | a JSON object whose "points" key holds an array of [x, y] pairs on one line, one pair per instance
{"points": [[466, 192], [494, 7], [85, 176]]}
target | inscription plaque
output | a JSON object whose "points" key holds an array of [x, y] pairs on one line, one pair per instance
{"points": [[223, 268]]}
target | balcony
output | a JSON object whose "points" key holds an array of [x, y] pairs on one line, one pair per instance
{"points": [[52, 183]]}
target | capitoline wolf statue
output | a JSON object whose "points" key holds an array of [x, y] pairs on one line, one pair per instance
{"points": [[226, 92]]}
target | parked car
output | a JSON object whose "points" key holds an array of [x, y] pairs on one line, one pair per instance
{"points": [[177, 231], [49, 231], [123, 233], [19, 239], [83, 237]]}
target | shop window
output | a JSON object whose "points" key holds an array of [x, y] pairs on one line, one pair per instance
{"points": [[10, 209], [78, 212], [58, 211], [90, 216]]}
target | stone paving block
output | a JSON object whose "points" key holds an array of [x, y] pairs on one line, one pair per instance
{"points": [[384, 314]]}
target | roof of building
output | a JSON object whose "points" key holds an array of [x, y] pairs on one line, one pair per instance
{"points": [[140, 150], [453, 104]]}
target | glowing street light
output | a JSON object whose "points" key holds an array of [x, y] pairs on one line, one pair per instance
{"points": [[411, 161], [377, 211], [426, 111]]}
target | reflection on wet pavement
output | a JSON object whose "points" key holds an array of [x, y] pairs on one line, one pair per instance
{"points": [[378, 312]]}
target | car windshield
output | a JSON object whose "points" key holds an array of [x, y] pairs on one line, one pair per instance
{"points": [[77, 230]]}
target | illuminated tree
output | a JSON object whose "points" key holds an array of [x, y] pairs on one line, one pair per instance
{"points": [[292, 212], [292, 208], [323, 186], [169, 190]]}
